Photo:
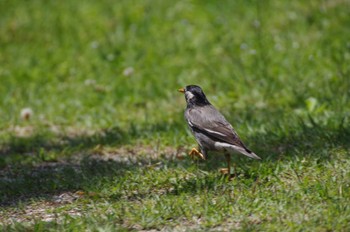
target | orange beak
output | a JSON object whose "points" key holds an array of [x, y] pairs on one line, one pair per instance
{"points": [[182, 90]]}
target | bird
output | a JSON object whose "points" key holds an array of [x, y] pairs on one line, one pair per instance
{"points": [[211, 129]]}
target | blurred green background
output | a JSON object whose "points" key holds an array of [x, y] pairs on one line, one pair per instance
{"points": [[258, 61]]}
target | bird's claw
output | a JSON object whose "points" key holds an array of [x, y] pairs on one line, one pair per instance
{"points": [[224, 171], [194, 152]]}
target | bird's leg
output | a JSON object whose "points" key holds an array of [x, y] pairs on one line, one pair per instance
{"points": [[228, 159], [194, 152], [235, 167], [227, 171]]}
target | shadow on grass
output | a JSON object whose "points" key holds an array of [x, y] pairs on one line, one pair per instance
{"points": [[309, 139], [50, 141], [67, 141], [23, 182], [45, 164]]}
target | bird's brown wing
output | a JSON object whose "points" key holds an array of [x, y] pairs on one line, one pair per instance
{"points": [[207, 120]]}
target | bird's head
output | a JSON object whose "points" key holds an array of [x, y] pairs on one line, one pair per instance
{"points": [[194, 95]]}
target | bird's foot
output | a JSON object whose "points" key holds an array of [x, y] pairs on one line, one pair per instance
{"points": [[194, 152], [226, 172]]}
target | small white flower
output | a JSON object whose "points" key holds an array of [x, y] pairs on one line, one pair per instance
{"points": [[295, 45], [26, 113], [256, 23], [89, 82], [128, 71], [110, 57], [244, 46], [252, 51], [94, 44], [278, 47], [292, 15]]}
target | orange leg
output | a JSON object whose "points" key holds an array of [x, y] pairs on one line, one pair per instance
{"points": [[227, 171]]}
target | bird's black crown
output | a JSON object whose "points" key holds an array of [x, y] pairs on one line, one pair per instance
{"points": [[195, 96]]}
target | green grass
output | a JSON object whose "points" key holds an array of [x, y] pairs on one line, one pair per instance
{"points": [[103, 150]]}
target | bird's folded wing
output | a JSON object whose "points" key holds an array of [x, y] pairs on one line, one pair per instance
{"points": [[213, 125]]}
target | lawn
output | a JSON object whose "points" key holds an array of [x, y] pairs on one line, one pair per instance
{"points": [[104, 144]]}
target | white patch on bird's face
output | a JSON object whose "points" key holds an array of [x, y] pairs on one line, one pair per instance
{"points": [[189, 95]]}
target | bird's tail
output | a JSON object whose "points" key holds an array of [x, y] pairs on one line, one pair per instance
{"points": [[247, 152], [239, 148], [251, 154]]}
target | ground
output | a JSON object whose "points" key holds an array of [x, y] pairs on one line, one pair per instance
{"points": [[92, 133]]}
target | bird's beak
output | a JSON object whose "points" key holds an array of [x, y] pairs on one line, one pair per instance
{"points": [[182, 90]]}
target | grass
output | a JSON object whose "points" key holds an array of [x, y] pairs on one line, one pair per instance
{"points": [[105, 148]]}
